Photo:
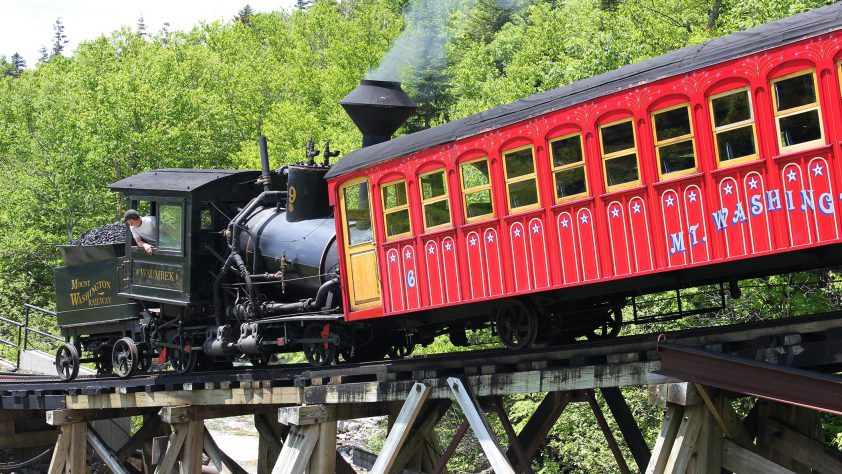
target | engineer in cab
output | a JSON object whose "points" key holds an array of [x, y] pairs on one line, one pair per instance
{"points": [[144, 229]]}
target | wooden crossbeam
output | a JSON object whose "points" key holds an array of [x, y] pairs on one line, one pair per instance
{"points": [[223, 463], [186, 413], [422, 434], [400, 431], [479, 424], [105, 453], [173, 450], [628, 426], [514, 443], [738, 459], [63, 417], [533, 434], [151, 426], [229, 396], [784, 439], [606, 431]]}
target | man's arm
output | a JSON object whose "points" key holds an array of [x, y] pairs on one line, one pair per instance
{"points": [[140, 243]]}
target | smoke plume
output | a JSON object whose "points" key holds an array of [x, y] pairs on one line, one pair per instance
{"points": [[424, 35]]}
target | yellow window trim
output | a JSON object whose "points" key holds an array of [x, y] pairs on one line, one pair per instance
{"points": [[672, 141], [466, 191], [733, 126], [435, 199], [618, 154], [800, 109], [342, 187], [570, 166], [394, 210], [531, 176]]}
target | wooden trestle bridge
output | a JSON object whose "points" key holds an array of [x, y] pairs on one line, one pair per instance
{"points": [[786, 365]]}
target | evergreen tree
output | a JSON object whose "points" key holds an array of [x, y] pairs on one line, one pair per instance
{"points": [[18, 64], [244, 15], [59, 38], [43, 55], [302, 5], [141, 27]]}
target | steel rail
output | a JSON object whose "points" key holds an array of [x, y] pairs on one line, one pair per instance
{"points": [[759, 379]]}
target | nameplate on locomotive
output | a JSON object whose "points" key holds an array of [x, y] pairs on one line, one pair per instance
{"points": [[157, 275]]}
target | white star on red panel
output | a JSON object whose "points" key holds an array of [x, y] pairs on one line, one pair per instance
{"points": [[728, 189], [490, 238], [636, 208], [615, 212], [431, 249], [473, 241], [517, 231], [670, 201], [791, 176], [584, 219], [447, 246], [564, 222], [536, 228], [692, 196], [818, 169], [393, 258], [753, 183], [407, 254]]}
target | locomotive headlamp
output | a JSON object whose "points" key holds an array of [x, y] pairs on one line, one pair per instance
{"points": [[227, 233]]}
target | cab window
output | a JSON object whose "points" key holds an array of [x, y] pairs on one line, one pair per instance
{"points": [[396, 210], [170, 226], [733, 127], [434, 200], [521, 185], [569, 171], [476, 189], [619, 154], [797, 111]]}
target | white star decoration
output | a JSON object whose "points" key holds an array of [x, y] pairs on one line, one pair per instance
{"points": [[753, 183], [584, 219], [564, 222], [728, 189], [692, 196], [536, 228], [473, 241], [615, 212], [790, 177], [818, 169], [670, 201], [447, 246], [431, 249], [407, 254], [393, 257], [636, 208], [517, 232], [490, 238]]}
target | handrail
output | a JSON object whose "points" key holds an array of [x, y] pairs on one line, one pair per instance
{"points": [[22, 343]]}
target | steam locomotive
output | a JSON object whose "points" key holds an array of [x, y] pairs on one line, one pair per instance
{"points": [[539, 218]]}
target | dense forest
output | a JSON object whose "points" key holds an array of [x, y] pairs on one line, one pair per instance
{"points": [[134, 100]]}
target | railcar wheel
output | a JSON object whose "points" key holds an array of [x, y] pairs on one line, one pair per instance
{"points": [[400, 350], [67, 362], [125, 357], [517, 324], [609, 327], [318, 354]]}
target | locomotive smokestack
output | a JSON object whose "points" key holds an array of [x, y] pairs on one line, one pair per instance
{"points": [[378, 108], [265, 178]]}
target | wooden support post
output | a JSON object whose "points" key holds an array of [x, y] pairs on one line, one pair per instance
{"points": [[628, 426], [194, 443], [77, 462], [685, 439], [323, 458], [397, 435], [295, 455], [707, 456], [269, 442], [177, 438], [479, 423], [606, 431], [422, 435], [666, 439]]}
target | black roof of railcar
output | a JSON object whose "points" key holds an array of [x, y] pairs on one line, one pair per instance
{"points": [[180, 180], [719, 50]]}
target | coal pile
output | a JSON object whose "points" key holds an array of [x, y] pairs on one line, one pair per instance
{"points": [[108, 234]]}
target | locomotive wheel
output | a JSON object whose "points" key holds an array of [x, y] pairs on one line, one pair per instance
{"points": [[517, 324], [67, 362], [610, 326], [400, 350], [181, 361], [144, 362], [125, 358], [318, 354]]}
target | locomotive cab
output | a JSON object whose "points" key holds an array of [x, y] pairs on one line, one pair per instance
{"points": [[190, 212]]}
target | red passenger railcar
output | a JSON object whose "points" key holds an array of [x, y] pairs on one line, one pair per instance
{"points": [[713, 162]]}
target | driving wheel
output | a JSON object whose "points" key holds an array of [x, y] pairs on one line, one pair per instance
{"points": [[125, 357], [318, 354], [517, 324], [182, 359], [400, 350], [67, 362]]}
